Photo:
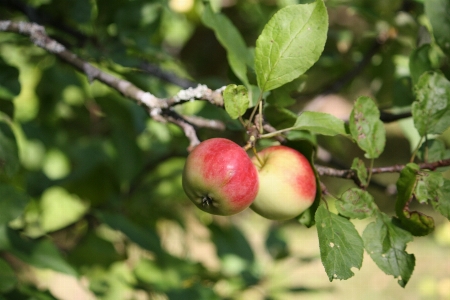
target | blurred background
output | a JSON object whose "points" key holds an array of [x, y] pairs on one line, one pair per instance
{"points": [[91, 203]]}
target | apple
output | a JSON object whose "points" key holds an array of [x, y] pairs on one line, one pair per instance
{"points": [[287, 184], [219, 177]]}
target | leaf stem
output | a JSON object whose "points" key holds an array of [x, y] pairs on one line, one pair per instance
{"points": [[415, 150], [370, 172], [256, 107]]}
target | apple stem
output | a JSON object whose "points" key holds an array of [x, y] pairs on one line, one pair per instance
{"points": [[257, 156]]}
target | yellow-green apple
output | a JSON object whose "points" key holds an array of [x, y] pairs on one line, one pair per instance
{"points": [[287, 184], [219, 177]]}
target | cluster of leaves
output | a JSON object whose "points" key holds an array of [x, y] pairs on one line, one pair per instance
{"points": [[286, 48], [88, 181]]}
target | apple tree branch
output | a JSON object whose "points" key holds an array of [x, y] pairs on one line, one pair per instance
{"points": [[159, 109]]}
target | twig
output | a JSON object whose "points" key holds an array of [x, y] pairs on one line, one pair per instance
{"points": [[351, 174], [158, 108]]}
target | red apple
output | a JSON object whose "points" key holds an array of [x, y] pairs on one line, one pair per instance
{"points": [[287, 184], [219, 177]]}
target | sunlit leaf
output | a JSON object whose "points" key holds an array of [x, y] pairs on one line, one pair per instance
{"points": [[341, 247], [291, 42], [356, 204], [386, 243], [320, 123], [366, 128], [60, 209], [235, 98], [431, 111]]}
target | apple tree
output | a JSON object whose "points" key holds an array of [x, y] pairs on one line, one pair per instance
{"points": [[101, 103]]}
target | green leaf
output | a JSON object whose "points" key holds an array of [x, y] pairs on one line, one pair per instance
{"points": [[419, 62], [281, 96], [442, 203], [8, 278], [361, 170], [93, 250], [12, 203], [231, 242], [276, 244], [147, 239], [9, 81], [356, 204], [433, 150], [366, 128], [60, 209], [386, 243], [229, 37], [415, 222], [431, 111], [320, 123], [428, 186], [438, 12], [39, 253], [279, 117], [9, 157], [341, 247], [236, 100], [290, 43]]}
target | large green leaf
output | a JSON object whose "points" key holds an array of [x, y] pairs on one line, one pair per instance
{"points": [[341, 247], [431, 111], [438, 12], [291, 42], [12, 203], [366, 128], [320, 123], [386, 243], [230, 38]]}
